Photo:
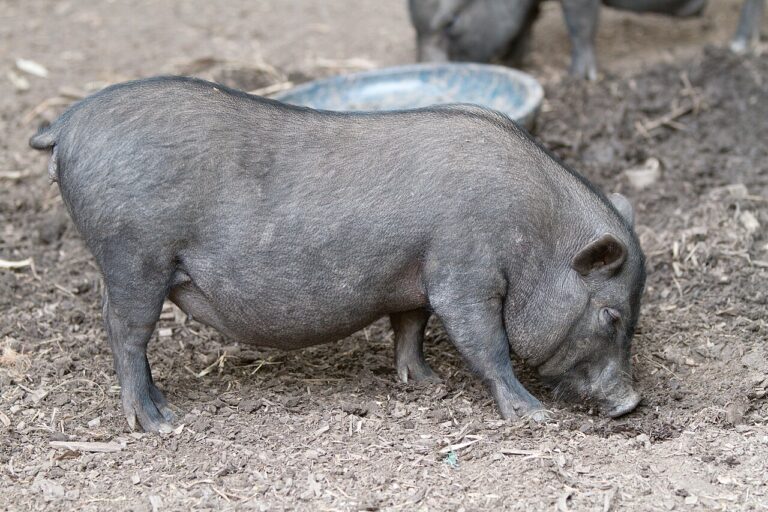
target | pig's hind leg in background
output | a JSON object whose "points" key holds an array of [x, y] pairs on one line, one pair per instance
{"points": [[748, 31], [409, 345], [581, 18]]}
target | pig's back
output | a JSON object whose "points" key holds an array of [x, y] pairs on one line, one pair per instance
{"points": [[197, 148]]}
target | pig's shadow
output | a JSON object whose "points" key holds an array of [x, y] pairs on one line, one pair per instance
{"points": [[361, 365]]}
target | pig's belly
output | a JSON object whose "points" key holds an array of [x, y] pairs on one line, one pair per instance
{"points": [[288, 318]]}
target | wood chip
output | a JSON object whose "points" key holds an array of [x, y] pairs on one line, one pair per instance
{"points": [[87, 446], [20, 83], [15, 264], [459, 446], [749, 221], [645, 175], [562, 501], [515, 451], [31, 67], [37, 395], [156, 502], [14, 175], [609, 500]]}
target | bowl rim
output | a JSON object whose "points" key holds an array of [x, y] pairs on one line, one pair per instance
{"points": [[531, 102]]}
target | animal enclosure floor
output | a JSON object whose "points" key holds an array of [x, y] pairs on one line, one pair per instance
{"points": [[329, 428]]}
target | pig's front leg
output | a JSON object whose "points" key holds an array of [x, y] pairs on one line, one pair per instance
{"points": [[581, 17], [409, 345], [477, 330]]}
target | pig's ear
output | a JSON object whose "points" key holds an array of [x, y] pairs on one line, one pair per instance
{"points": [[621, 203], [605, 254]]}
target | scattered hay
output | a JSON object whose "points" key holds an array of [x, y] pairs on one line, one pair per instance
{"points": [[17, 362]]}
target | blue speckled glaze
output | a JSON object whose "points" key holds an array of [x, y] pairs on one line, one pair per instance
{"points": [[512, 92]]}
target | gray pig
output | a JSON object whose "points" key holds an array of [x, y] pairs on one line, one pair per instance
{"points": [[287, 227], [483, 30]]}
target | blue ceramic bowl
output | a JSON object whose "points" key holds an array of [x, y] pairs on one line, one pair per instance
{"points": [[512, 92]]}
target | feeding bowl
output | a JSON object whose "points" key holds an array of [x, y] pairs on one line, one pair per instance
{"points": [[509, 91]]}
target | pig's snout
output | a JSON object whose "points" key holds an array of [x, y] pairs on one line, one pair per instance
{"points": [[613, 391], [626, 404]]}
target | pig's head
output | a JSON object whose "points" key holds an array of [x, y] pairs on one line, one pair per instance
{"points": [[469, 30], [577, 325]]}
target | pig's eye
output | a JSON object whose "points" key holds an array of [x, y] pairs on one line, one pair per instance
{"points": [[609, 317]]}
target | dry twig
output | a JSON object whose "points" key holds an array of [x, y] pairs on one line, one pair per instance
{"points": [[87, 446], [8, 264]]}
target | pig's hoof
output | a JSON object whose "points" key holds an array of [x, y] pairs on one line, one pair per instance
{"points": [[584, 68], [533, 412], [739, 46], [539, 415], [149, 410], [416, 372]]}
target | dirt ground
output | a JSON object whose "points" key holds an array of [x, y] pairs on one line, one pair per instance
{"points": [[329, 428]]}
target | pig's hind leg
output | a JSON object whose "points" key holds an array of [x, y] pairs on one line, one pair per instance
{"points": [[132, 302], [581, 18], [477, 331], [748, 32], [409, 345]]}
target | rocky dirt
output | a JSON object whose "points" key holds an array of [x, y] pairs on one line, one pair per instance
{"points": [[678, 125]]}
